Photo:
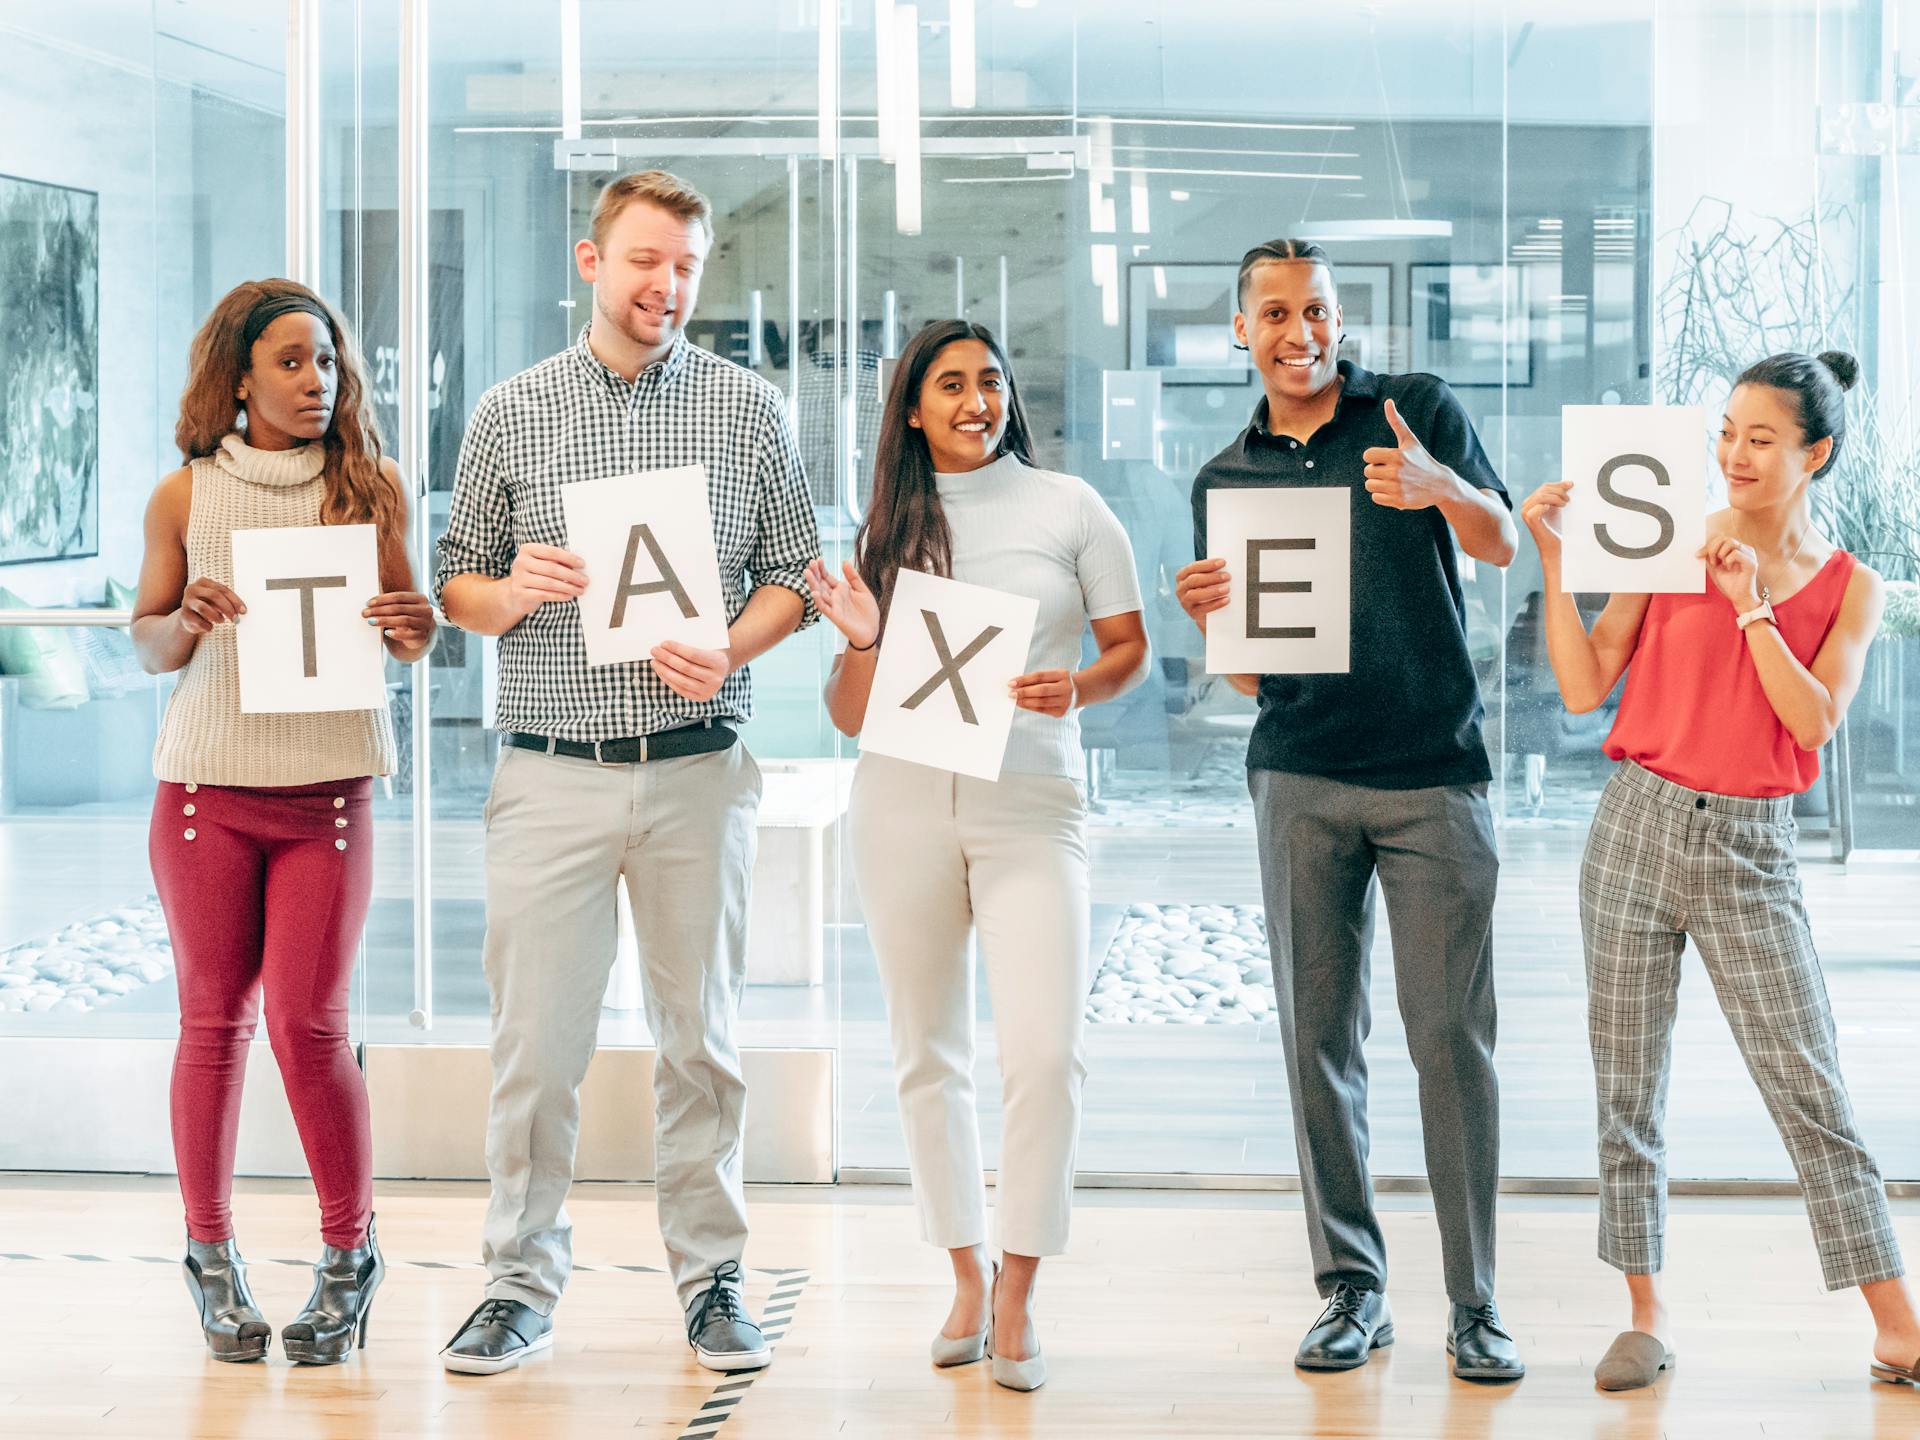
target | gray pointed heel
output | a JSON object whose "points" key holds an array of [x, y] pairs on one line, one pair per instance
{"points": [[1027, 1374], [967, 1350], [948, 1352]]}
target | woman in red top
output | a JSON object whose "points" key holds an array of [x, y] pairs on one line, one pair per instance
{"points": [[1729, 696]]}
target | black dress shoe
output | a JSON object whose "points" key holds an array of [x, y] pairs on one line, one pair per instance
{"points": [[1355, 1323], [497, 1336], [1480, 1345]]}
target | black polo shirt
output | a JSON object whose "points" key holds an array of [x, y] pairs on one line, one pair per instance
{"points": [[1407, 714]]}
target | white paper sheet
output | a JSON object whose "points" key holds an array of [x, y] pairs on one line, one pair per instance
{"points": [[647, 537], [303, 644], [952, 712], [1298, 546], [1637, 513]]}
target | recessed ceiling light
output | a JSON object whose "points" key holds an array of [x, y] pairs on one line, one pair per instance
{"points": [[1389, 229]]}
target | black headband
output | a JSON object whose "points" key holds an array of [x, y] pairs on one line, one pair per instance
{"points": [[266, 311]]}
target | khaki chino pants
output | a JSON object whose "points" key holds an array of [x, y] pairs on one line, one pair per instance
{"points": [[561, 834]]}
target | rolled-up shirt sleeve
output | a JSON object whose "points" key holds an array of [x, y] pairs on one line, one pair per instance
{"points": [[479, 536], [788, 540]]}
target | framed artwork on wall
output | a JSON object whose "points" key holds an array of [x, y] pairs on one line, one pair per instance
{"points": [[1180, 323], [49, 371], [1369, 337], [1470, 324]]}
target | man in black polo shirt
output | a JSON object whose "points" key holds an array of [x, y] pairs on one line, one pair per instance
{"points": [[1380, 770]]}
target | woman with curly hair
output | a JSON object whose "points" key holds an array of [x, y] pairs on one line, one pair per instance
{"points": [[261, 840]]}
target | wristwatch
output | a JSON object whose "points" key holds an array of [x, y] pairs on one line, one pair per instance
{"points": [[1762, 611]]}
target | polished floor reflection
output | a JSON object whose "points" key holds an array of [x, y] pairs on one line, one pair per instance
{"points": [[1172, 1317]]}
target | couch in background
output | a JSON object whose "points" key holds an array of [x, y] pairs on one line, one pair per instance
{"points": [[78, 716]]}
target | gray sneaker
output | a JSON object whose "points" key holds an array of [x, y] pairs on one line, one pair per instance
{"points": [[723, 1335], [497, 1336]]}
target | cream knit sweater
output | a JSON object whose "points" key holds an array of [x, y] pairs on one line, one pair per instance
{"points": [[204, 737]]}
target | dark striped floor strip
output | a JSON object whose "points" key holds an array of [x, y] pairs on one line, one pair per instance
{"points": [[775, 1320], [15, 1256]]}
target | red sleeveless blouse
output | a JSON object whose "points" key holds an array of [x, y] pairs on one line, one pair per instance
{"points": [[1693, 710]]}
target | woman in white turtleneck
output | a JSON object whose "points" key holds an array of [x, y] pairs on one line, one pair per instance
{"points": [[938, 855], [262, 834]]}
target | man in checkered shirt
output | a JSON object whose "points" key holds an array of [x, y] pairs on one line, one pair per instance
{"points": [[619, 772]]}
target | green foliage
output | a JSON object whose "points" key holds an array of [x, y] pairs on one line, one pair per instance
{"points": [[1903, 609]]}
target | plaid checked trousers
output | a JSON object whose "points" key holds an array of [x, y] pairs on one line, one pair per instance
{"points": [[1663, 863]]}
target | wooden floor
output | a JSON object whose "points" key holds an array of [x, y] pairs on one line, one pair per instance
{"points": [[1175, 1315]]}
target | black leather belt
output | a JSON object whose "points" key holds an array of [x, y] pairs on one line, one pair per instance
{"points": [[702, 738]]}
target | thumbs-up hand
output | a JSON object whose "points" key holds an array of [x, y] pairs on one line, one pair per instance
{"points": [[1406, 477]]}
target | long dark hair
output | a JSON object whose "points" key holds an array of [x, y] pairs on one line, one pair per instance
{"points": [[1819, 385], [355, 491], [904, 524]]}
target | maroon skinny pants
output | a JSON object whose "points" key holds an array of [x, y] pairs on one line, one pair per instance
{"points": [[267, 890]]}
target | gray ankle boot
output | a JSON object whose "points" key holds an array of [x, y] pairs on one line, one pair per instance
{"points": [[217, 1281], [336, 1315]]}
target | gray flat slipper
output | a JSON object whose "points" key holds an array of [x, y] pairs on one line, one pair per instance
{"points": [[1897, 1374], [1633, 1362]]}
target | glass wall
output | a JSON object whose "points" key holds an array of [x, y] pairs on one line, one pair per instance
{"points": [[1432, 151], [142, 173], [1501, 186], [1545, 203]]}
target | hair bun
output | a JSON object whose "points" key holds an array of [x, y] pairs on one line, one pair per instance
{"points": [[1845, 368]]}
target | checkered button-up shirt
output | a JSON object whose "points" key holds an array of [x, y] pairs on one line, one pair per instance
{"points": [[571, 418]]}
